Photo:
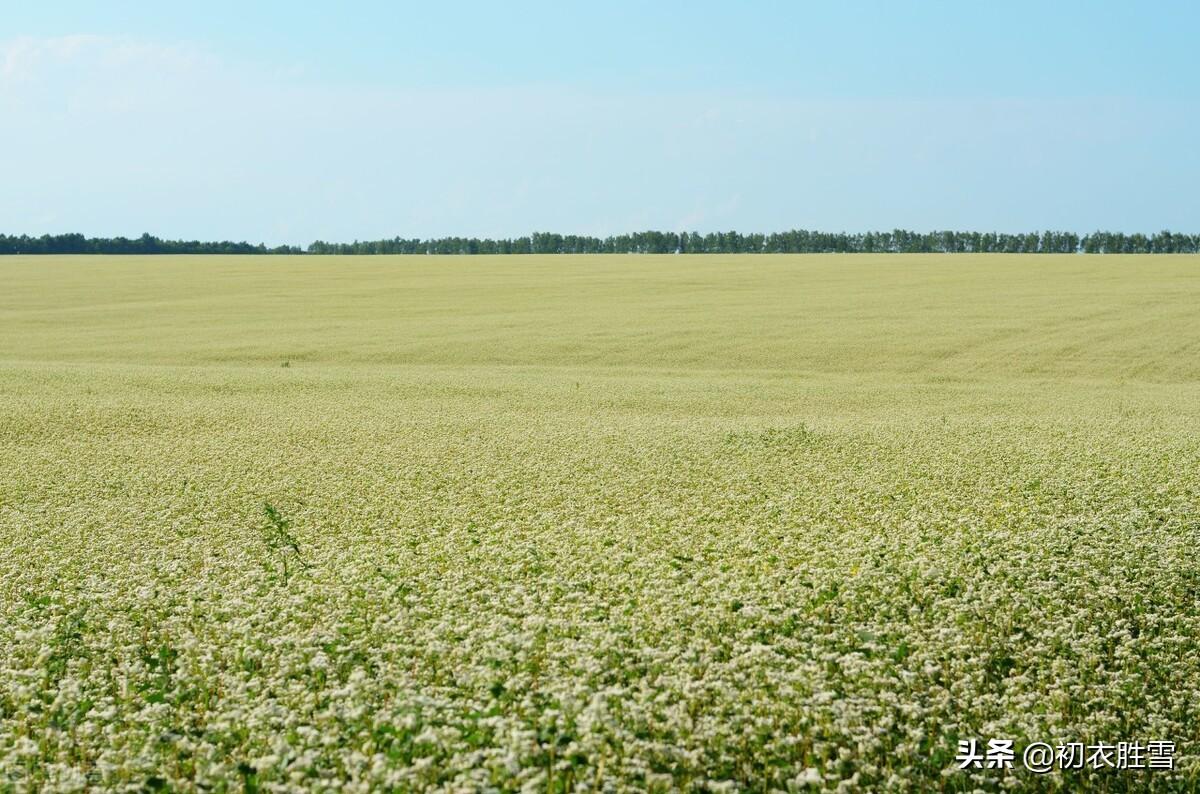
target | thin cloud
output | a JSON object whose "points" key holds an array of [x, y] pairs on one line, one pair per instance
{"points": [[29, 60], [22, 58]]}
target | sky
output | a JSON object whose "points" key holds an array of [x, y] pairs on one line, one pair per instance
{"points": [[285, 122]]}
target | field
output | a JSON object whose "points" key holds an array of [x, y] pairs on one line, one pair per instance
{"points": [[595, 523]]}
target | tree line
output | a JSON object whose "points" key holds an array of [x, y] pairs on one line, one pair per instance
{"points": [[650, 242], [146, 244]]}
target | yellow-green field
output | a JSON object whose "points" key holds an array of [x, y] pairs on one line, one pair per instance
{"points": [[595, 523]]}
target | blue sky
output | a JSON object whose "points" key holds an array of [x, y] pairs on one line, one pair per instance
{"points": [[288, 122]]}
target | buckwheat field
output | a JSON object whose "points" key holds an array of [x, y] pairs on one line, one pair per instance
{"points": [[611, 523]]}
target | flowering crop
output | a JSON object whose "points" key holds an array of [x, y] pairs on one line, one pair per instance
{"points": [[557, 524]]}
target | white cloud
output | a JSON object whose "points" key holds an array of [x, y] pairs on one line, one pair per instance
{"points": [[29, 59], [21, 58]]}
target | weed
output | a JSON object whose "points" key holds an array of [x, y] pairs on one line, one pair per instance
{"points": [[282, 546]]}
